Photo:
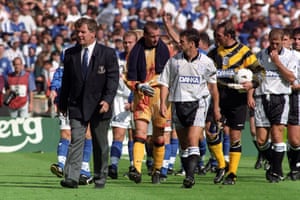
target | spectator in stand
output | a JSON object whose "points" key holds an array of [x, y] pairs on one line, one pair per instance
{"points": [[4, 12], [201, 23], [24, 40], [30, 59], [184, 12], [5, 69], [106, 14], [33, 41], [141, 18], [225, 11], [14, 50], [264, 42], [26, 17], [13, 26], [252, 44], [243, 19], [123, 12], [58, 44], [168, 7], [253, 20], [151, 4], [59, 25], [73, 15], [133, 24], [274, 20], [38, 75], [283, 13], [5, 63], [92, 11]]}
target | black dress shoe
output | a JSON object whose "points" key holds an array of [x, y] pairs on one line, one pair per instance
{"points": [[99, 186], [69, 183], [99, 183]]}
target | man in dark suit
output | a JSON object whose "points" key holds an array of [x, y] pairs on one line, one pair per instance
{"points": [[89, 84]]}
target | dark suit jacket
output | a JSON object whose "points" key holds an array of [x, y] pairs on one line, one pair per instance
{"points": [[81, 96]]}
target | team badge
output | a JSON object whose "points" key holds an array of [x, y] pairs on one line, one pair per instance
{"points": [[225, 60], [101, 69]]}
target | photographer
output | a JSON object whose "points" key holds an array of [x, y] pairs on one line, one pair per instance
{"points": [[19, 94]]}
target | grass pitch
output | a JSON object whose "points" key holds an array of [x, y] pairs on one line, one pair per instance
{"points": [[27, 176]]}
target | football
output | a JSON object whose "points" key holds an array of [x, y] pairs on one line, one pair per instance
{"points": [[243, 75]]}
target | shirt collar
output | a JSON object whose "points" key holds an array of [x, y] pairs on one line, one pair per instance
{"points": [[90, 47]]}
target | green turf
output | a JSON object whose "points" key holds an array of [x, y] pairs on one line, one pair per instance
{"points": [[27, 176]]}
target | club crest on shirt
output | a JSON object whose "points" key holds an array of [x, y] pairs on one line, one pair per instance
{"points": [[225, 60], [100, 69]]}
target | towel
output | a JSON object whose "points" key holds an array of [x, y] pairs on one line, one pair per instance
{"points": [[136, 63]]}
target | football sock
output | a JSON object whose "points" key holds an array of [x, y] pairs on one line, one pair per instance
{"points": [[266, 151], [166, 161], [130, 150], [62, 151], [115, 153], [226, 146], [234, 156], [87, 152], [149, 153], [192, 161], [278, 152], [293, 155], [174, 148], [202, 148], [158, 155], [138, 155], [215, 147]]}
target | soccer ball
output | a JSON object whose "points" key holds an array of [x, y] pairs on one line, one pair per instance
{"points": [[243, 75]]}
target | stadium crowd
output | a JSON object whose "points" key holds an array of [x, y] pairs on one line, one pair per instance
{"points": [[38, 31]]}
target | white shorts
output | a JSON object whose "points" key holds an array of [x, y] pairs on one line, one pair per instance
{"points": [[64, 122], [121, 117], [122, 120]]}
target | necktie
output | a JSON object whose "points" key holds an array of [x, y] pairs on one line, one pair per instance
{"points": [[85, 59]]}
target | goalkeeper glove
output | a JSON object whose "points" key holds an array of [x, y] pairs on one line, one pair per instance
{"points": [[146, 89]]}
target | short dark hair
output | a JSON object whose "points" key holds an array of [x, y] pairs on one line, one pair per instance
{"points": [[192, 35], [150, 25], [276, 32], [296, 31], [91, 24], [204, 37], [288, 32], [130, 33], [228, 28]]}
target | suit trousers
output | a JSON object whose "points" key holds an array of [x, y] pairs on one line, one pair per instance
{"points": [[99, 130], [75, 153]]}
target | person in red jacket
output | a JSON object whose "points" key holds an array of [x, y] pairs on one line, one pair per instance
{"points": [[20, 86]]}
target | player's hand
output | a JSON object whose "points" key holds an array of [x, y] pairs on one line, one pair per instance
{"points": [[247, 85], [146, 89], [163, 110], [274, 56]]}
